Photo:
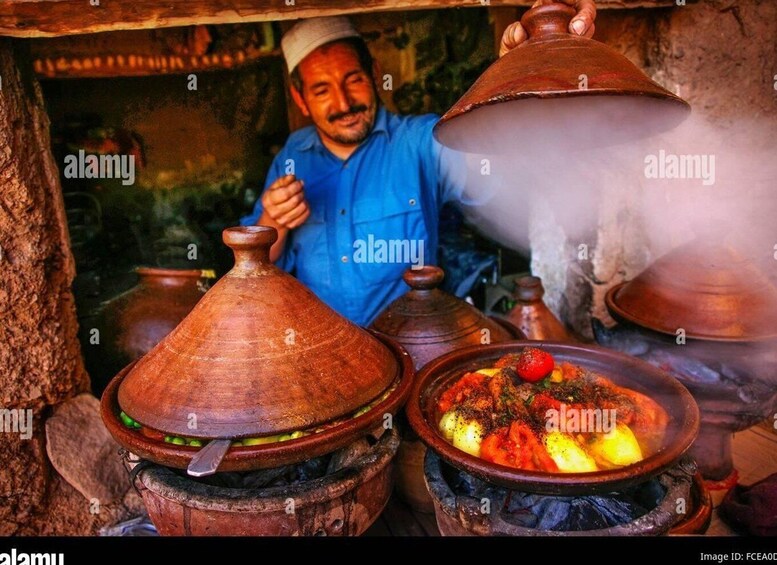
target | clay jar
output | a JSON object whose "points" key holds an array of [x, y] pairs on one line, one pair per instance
{"points": [[134, 322], [532, 316]]}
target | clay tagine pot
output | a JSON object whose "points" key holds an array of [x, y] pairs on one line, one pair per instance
{"points": [[260, 356], [535, 81], [532, 316], [623, 370], [429, 322], [708, 315], [708, 289]]}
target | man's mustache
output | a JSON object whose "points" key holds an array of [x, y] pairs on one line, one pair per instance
{"points": [[352, 110]]}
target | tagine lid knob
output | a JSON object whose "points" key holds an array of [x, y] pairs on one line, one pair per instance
{"points": [[425, 278], [549, 20]]}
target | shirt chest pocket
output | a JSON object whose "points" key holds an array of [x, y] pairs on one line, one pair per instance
{"points": [[389, 235]]}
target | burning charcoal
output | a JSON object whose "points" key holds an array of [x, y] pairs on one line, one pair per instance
{"points": [[518, 510], [620, 338], [492, 492], [464, 483], [617, 509], [553, 512], [731, 374], [649, 494], [348, 455], [226, 480], [584, 516], [559, 513], [683, 366], [747, 395], [313, 469], [263, 477]]}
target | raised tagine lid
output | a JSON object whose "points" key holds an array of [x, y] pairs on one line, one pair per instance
{"points": [[426, 316], [550, 64], [260, 354], [710, 290]]}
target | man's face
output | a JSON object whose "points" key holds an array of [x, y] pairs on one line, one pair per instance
{"points": [[338, 94]]}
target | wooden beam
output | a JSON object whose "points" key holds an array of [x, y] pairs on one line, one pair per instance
{"points": [[101, 66], [50, 18]]}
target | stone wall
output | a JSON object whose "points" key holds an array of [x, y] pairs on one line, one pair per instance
{"points": [[41, 369]]}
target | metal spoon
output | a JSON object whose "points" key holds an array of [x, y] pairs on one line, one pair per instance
{"points": [[208, 459]]}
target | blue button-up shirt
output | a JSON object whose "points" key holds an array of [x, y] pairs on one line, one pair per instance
{"points": [[372, 216]]}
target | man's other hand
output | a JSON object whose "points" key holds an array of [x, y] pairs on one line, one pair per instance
{"points": [[284, 202], [581, 24]]}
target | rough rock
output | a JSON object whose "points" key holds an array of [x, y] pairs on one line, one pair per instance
{"points": [[83, 452]]}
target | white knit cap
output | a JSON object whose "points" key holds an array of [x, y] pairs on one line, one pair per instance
{"points": [[308, 35]]}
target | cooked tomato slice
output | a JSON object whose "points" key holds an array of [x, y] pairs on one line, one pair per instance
{"points": [[516, 446], [152, 433], [459, 391], [497, 448]]}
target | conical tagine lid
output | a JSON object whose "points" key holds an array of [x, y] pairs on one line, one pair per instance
{"points": [[709, 290], [428, 321], [555, 85], [260, 354]]}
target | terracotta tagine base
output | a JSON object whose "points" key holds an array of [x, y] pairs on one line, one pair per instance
{"points": [[462, 515], [345, 503]]}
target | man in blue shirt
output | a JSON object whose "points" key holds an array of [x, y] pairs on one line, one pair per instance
{"points": [[356, 196]]}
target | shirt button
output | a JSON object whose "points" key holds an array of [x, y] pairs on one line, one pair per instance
{"points": [[412, 201], [342, 212], [344, 258]]}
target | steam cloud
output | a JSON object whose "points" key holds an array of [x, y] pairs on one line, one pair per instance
{"points": [[578, 163]]}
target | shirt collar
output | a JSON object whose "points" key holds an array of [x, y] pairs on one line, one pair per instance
{"points": [[381, 125]]}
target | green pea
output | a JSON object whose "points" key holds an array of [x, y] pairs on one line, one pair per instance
{"points": [[195, 443], [168, 439], [126, 420], [178, 441]]}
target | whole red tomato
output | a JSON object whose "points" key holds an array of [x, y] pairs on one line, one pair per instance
{"points": [[534, 364]]}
